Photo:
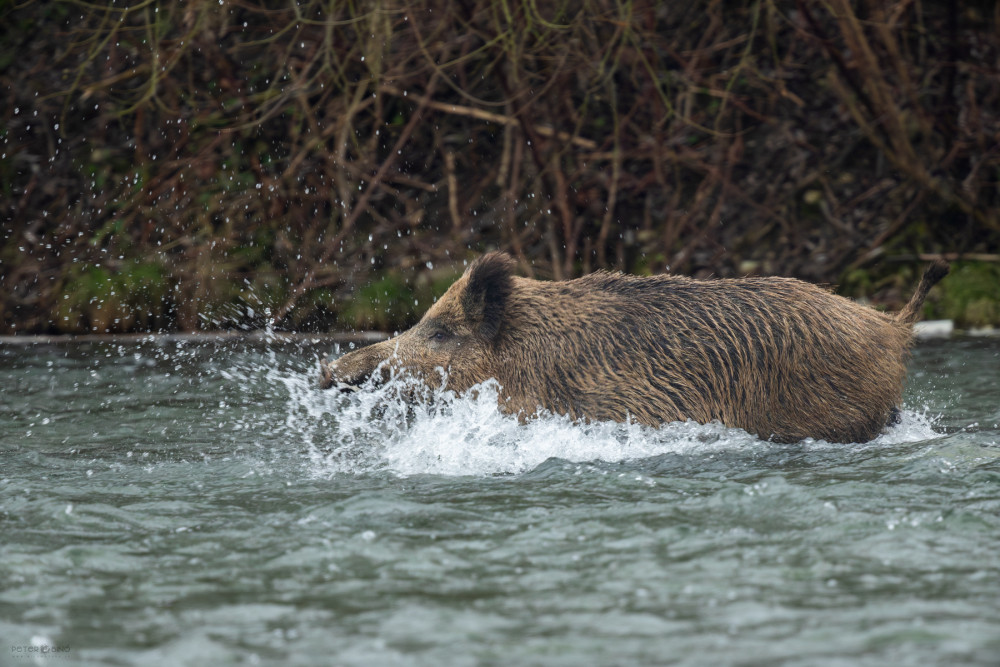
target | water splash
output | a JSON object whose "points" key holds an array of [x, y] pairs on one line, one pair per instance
{"points": [[914, 426], [405, 428]]}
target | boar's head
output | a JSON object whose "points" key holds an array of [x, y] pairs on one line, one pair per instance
{"points": [[458, 335]]}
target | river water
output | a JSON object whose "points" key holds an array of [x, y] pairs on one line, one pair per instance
{"points": [[167, 502]]}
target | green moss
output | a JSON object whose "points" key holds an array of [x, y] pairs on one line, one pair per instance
{"points": [[393, 302], [856, 283], [96, 300], [969, 295], [379, 304]]}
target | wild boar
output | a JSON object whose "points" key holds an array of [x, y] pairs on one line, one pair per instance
{"points": [[778, 357]]}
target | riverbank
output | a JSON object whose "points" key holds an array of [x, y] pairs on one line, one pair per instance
{"points": [[339, 338], [197, 166]]}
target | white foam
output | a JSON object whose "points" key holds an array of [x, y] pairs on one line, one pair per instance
{"points": [[402, 427], [913, 426], [470, 436]]}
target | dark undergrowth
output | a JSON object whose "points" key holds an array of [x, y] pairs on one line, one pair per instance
{"points": [[212, 165]]}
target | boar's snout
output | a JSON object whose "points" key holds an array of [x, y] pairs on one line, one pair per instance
{"points": [[351, 370], [325, 374], [329, 376]]}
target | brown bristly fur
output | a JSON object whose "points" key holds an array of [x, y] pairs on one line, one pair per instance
{"points": [[779, 357]]}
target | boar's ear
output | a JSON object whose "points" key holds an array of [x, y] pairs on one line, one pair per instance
{"points": [[485, 295]]}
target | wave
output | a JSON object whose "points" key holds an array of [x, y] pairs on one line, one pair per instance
{"points": [[403, 427]]}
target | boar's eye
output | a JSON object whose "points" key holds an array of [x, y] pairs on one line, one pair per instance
{"points": [[440, 336]]}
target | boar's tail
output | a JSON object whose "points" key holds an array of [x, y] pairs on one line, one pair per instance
{"points": [[911, 311]]}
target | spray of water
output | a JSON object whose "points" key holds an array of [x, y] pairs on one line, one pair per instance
{"points": [[404, 427]]}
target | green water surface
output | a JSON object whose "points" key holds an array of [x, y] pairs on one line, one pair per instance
{"points": [[173, 503]]}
